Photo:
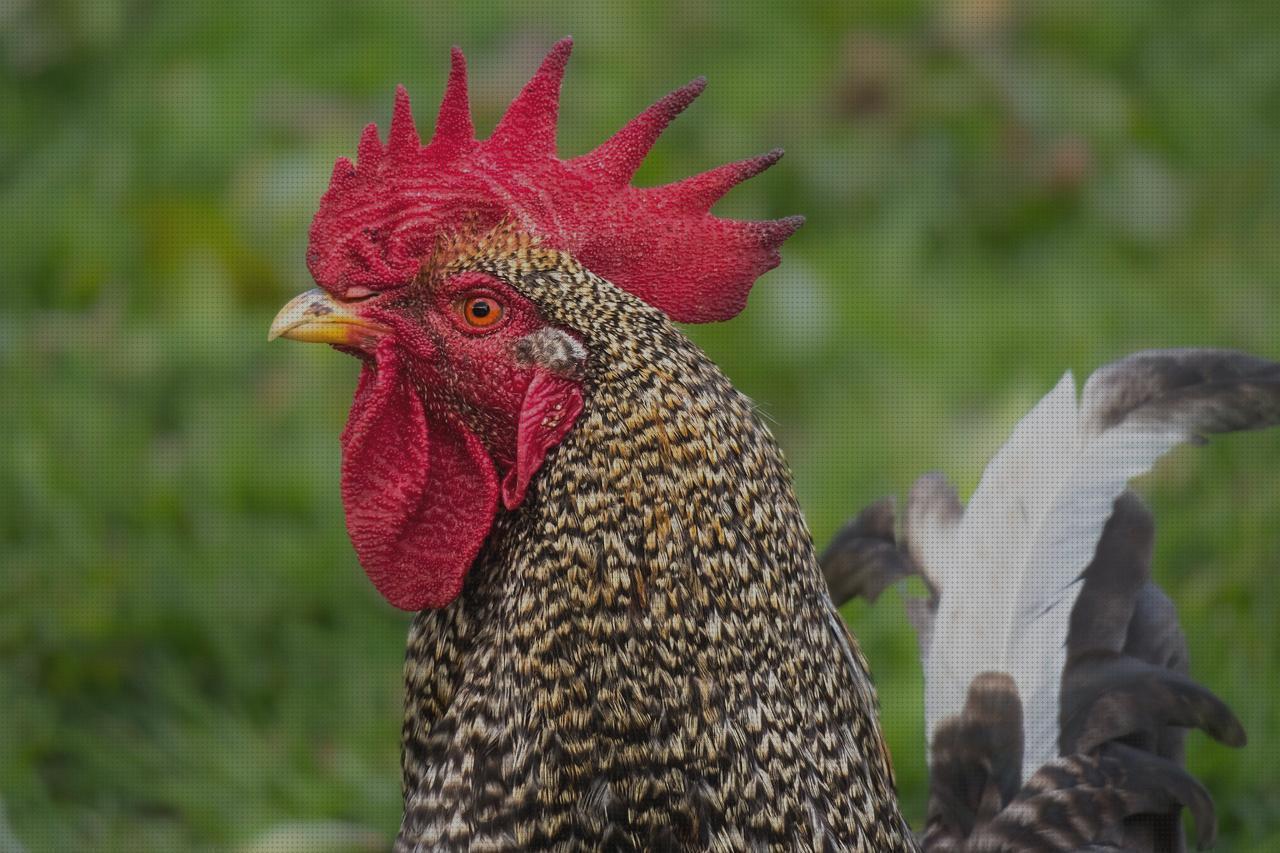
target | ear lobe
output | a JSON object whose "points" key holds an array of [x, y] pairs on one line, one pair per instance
{"points": [[551, 405]]}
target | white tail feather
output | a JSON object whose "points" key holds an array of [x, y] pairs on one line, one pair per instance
{"points": [[1008, 572]]}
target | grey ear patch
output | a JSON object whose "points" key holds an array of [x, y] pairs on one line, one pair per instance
{"points": [[554, 349]]}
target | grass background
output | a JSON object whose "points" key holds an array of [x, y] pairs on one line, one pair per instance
{"points": [[997, 191]]}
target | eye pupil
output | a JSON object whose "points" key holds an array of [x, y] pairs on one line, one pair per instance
{"points": [[481, 312]]}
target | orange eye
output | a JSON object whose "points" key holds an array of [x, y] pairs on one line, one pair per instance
{"points": [[481, 311]]}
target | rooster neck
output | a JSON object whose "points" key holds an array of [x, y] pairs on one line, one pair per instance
{"points": [[655, 603], [669, 500]]}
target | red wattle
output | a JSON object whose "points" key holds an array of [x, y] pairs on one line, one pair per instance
{"points": [[420, 496]]}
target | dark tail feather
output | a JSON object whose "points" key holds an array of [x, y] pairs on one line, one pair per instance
{"points": [[1120, 568], [977, 763], [1080, 801], [1125, 678], [864, 559], [1116, 697], [1210, 390], [1154, 633], [1156, 637]]}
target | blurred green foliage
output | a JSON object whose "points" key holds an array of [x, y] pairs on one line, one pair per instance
{"points": [[997, 191]]}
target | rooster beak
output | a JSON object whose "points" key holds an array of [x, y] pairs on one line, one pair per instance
{"points": [[316, 317]]}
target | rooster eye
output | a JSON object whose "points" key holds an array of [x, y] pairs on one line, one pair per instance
{"points": [[481, 312]]}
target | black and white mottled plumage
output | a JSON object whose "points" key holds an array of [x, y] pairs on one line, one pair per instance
{"points": [[644, 655], [1057, 693]]}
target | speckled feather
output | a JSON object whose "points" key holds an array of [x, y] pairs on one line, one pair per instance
{"points": [[644, 655]]}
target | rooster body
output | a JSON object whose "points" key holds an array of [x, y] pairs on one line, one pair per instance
{"points": [[625, 640], [645, 655]]}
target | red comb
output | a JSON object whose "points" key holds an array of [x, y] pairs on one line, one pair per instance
{"points": [[380, 217]]}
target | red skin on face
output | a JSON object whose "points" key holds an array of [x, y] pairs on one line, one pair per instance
{"points": [[442, 409], [469, 370]]}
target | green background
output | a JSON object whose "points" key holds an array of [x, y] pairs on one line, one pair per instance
{"points": [[997, 191]]}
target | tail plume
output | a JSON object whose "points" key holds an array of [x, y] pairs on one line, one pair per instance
{"points": [[1056, 687]]}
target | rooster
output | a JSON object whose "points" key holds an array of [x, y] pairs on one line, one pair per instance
{"points": [[624, 638]]}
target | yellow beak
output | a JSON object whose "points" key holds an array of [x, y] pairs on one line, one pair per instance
{"points": [[316, 317]]}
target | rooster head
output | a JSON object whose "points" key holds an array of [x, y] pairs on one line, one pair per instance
{"points": [[471, 377]]}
